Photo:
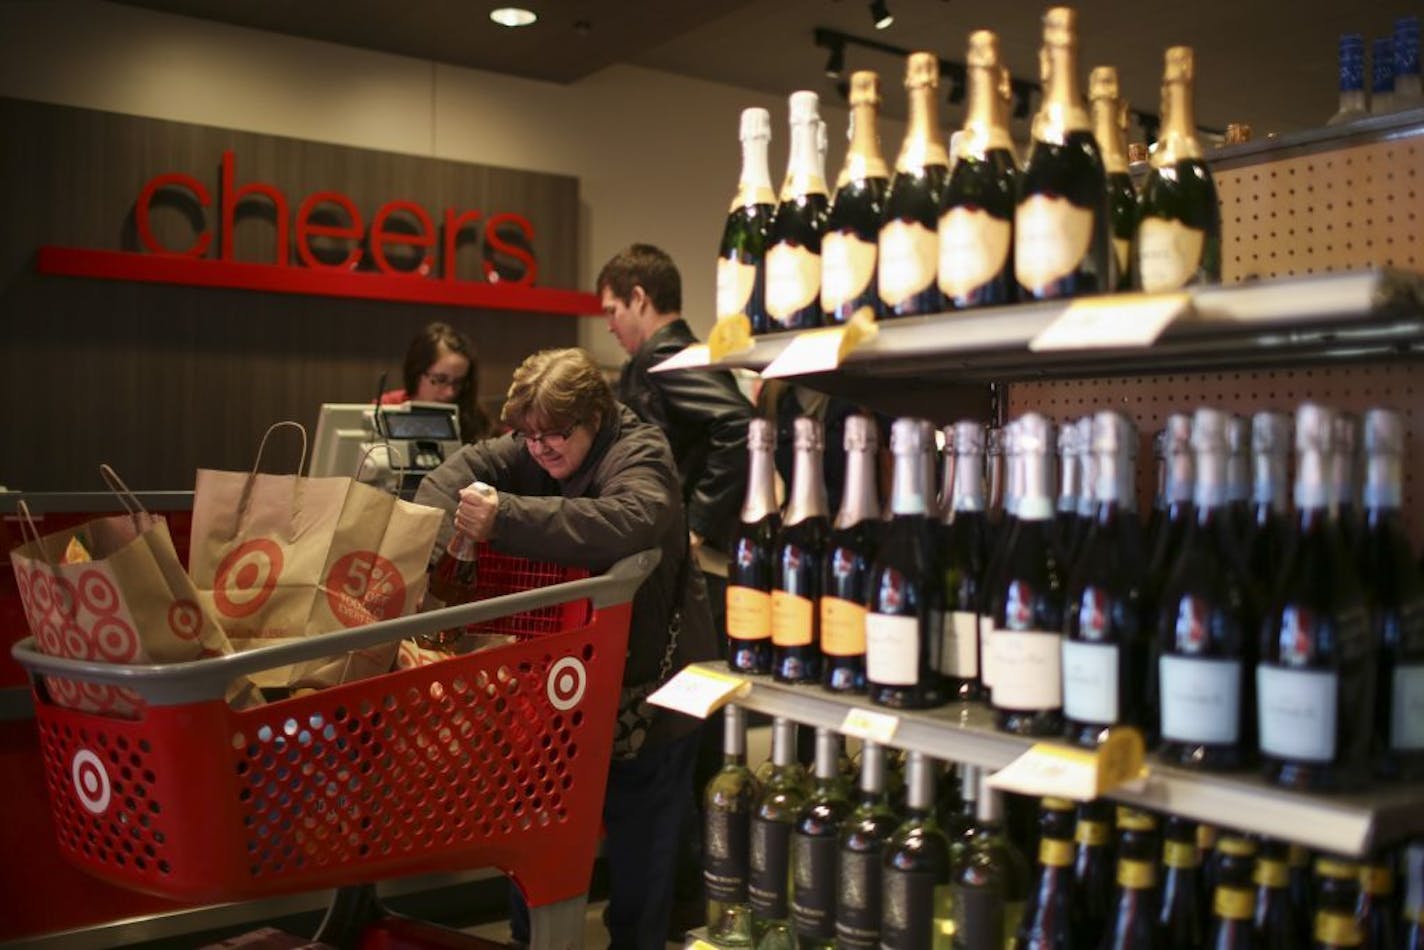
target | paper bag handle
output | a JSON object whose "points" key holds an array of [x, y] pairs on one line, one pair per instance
{"points": [[140, 515], [32, 536], [246, 498]]}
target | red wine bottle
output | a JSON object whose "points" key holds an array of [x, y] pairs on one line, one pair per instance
{"points": [[1094, 865], [1052, 920], [1133, 923], [749, 568], [1411, 923], [796, 571], [1233, 902], [850, 553]]}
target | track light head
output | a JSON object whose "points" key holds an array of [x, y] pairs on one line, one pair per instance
{"points": [[835, 61], [880, 14]]}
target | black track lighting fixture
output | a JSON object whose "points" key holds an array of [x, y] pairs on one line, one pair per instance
{"points": [[880, 14], [835, 61], [1021, 104]]}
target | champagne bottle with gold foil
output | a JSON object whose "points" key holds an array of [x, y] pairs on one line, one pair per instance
{"points": [[976, 214], [741, 260], [1061, 221], [1178, 241], [1110, 129], [793, 257], [909, 240], [849, 247]]}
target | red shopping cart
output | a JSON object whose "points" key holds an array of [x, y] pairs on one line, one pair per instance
{"points": [[492, 759]]}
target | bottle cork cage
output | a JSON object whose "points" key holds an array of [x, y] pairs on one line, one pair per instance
{"points": [[1148, 400]]}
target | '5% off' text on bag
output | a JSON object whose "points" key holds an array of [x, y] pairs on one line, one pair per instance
{"points": [[283, 557], [112, 590]]}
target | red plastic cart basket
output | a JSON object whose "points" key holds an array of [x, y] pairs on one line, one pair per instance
{"points": [[492, 759]]}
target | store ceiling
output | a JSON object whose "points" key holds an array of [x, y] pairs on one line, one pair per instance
{"points": [[1260, 62]]}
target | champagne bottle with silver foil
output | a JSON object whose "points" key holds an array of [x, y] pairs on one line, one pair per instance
{"points": [[994, 461], [1345, 441], [1178, 240], [849, 247], [1110, 129], [1061, 226], [1177, 514], [1238, 475], [1316, 677], [850, 553], [1353, 104], [1106, 644], [1395, 589], [1270, 530], [991, 879], [1159, 494], [909, 241], [916, 906], [862, 841], [902, 628], [1065, 514], [1207, 624], [727, 806], [796, 572], [993, 574], [813, 848], [1087, 489], [749, 570], [741, 259], [976, 212], [782, 795], [1026, 601], [793, 257], [966, 555]]}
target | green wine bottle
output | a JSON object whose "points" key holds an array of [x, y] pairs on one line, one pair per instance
{"points": [[813, 849], [1110, 128], [1178, 241], [909, 240], [793, 257], [741, 259], [861, 846], [782, 795], [991, 880], [1061, 220], [849, 249], [976, 213], [916, 905], [727, 809]]}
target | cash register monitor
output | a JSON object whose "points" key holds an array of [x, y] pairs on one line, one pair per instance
{"points": [[342, 431]]}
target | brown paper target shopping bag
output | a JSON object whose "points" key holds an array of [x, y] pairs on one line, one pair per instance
{"points": [[281, 557], [126, 600]]}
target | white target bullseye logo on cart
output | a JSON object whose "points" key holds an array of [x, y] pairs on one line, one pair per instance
{"points": [[91, 781], [566, 683]]}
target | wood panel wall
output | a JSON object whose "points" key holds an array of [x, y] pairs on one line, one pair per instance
{"points": [[161, 380]]}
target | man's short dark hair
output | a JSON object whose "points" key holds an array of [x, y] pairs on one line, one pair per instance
{"points": [[646, 266]]}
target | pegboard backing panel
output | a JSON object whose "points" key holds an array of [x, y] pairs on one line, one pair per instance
{"points": [[1346, 208], [1397, 385]]}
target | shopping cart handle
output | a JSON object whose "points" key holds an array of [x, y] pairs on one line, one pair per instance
{"points": [[171, 684]]}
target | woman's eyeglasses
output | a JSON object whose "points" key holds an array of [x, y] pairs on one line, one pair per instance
{"points": [[548, 440], [456, 383]]}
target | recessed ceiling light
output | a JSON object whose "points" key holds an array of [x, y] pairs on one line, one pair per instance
{"points": [[513, 16]]}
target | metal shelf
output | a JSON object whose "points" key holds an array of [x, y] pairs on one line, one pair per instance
{"points": [[1345, 316], [1343, 824]]}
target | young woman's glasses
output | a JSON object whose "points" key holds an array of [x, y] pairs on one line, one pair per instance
{"points": [[440, 379]]}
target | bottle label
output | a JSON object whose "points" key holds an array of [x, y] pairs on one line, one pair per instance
{"points": [[791, 619], [1051, 238], [1297, 712], [1271, 873], [1054, 853], [909, 259], [748, 613], [986, 653], [847, 267], [907, 918], [978, 917], [1407, 716], [961, 644], [1234, 903], [724, 866], [1180, 854], [892, 649], [1092, 834], [1090, 682], [768, 867], [1168, 253], [858, 901], [735, 281], [842, 627], [1029, 670], [793, 280], [813, 898], [1122, 253], [1201, 700], [1377, 880], [1337, 930], [1137, 875], [973, 248]]}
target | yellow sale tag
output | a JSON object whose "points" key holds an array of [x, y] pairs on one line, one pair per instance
{"points": [[1082, 774], [819, 351], [1120, 320], [693, 356], [698, 691], [731, 334], [866, 724], [697, 943]]}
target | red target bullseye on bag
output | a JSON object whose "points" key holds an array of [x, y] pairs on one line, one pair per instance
{"points": [[246, 577], [118, 643], [185, 619], [97, 593]]}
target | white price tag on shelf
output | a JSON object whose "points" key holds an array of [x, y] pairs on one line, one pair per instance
{"points": [[1111, 322], [689, 357], [698, 691], [819, 351], [1081, 774], [867, 724]]}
